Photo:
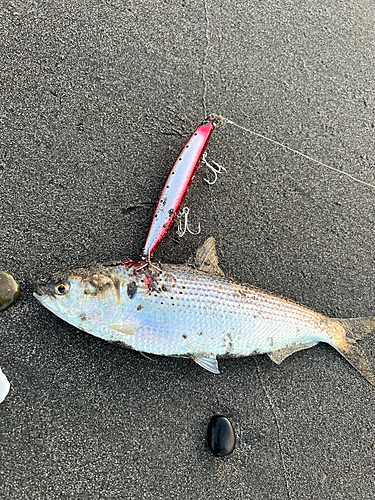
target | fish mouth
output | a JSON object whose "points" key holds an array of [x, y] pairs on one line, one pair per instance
{"points": [[45, 288], [40, 289], [38, 297]]}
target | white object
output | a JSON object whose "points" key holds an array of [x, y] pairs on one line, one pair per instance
{"points": [[4, 386]]}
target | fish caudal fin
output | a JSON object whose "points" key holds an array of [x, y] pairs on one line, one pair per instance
{"points": [[354, 329]]}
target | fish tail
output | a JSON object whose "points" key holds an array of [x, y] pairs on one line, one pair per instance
{"points": [[344, 335]]}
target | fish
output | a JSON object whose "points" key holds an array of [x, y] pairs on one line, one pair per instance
{"points": [[194, 311]]}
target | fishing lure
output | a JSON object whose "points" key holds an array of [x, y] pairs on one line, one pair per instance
{"points": [[176, 185]]}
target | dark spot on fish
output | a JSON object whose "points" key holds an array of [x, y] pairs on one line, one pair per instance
{"points": [[83, 317], [101, 281], [152, 288], [171, 212], [200, 333], [184, 336], [116, 284], [140, 307], [132, 289], [183, 287], [164, 288], [172, 304], [161, 303]]}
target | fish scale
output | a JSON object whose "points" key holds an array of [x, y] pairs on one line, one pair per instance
{"points": [[233, 320]]}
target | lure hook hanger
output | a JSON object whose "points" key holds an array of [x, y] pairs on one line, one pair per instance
{"points": [[219, 170], [184, 215]]}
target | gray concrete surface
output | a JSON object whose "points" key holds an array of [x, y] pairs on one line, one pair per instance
{"points": [[96, 100]]}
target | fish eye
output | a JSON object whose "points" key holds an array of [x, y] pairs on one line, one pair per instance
{"points": [[62, 287]]}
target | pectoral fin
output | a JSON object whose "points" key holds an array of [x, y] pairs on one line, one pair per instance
{"points": [[208, 363], [206, 259], [279, 355], [126, 328]]}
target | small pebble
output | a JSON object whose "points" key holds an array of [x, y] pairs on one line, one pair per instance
{"points": [[220, 435], [9, 290]]}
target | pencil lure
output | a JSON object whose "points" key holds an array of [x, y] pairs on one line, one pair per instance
{"points": [[176, 185], [194, 311]]}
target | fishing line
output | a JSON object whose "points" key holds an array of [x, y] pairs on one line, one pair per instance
{"points": [[342, 172]]}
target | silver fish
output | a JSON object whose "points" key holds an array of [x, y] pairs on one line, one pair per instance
{"points": [[194, 311]]}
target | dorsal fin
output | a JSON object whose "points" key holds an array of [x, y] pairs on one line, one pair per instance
{"points": [[206, 259]]}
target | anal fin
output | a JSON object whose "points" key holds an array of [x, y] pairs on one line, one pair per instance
{"points": [[208, 363], [280, 354]]}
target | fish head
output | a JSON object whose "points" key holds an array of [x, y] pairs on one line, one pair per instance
{"points": [[84, 298]]}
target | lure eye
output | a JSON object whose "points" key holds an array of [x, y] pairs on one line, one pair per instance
{"points": [[62, 288]]}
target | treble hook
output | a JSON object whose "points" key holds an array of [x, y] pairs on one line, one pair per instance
{"points": [[180, 232], [215, 171], [148, 263]]}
